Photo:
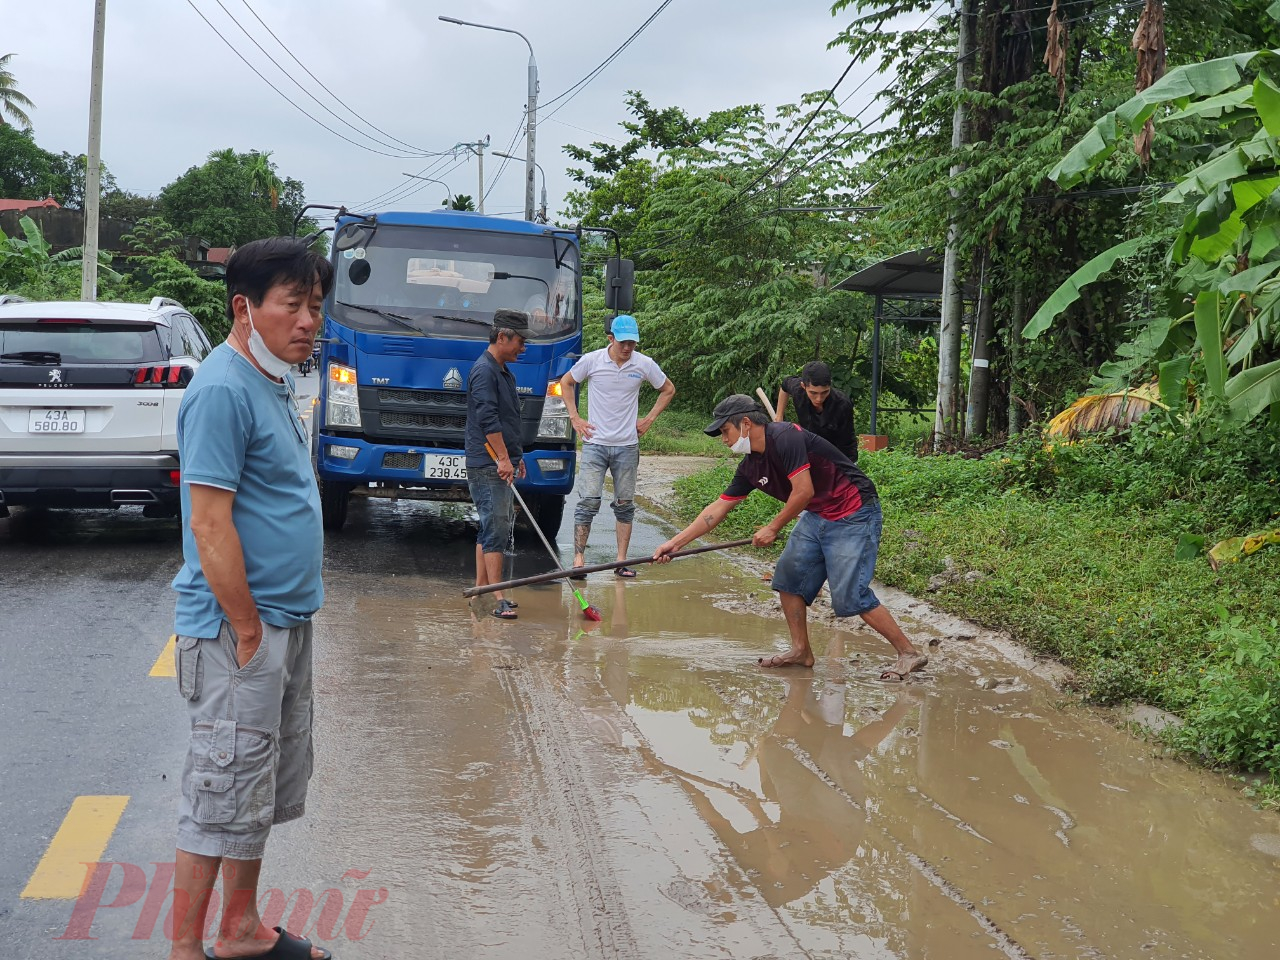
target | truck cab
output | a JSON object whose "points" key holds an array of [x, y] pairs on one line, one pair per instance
{"points": [[411, 310]]}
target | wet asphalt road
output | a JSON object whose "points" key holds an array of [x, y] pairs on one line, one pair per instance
{"points": [[632, 789]]}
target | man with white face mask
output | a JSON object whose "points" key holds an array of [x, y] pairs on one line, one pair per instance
{"points": [[835, 540], [248, 588]]}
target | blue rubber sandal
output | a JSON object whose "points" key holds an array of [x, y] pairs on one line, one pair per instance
{"points": [[505, 610]]}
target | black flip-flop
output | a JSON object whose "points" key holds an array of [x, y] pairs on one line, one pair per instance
{"points": [[288, 947], [626, 573], [505, 610]]}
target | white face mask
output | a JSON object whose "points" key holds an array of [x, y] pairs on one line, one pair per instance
{"points": [[742, 445], [273, 365]]}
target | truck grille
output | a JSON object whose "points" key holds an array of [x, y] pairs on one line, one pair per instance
{"points": [[402, 461], [424, 420], [436, 398]]}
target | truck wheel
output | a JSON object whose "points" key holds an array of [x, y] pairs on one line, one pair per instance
{"points": [[333, 504], [548, 510]]}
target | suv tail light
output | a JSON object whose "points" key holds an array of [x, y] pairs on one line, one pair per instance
{"points": [[162, 376]]}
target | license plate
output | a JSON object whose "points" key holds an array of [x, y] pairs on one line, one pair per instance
{"points": [[56, 421], [444, 467]]}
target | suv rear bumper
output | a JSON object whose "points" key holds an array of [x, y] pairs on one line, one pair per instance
{"points": [[87, 480]]}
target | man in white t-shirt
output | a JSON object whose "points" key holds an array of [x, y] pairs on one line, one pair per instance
{"points": [[611, 440]]}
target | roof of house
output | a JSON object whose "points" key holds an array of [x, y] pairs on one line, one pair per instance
{"points": [[28, 204], [219, 254]]}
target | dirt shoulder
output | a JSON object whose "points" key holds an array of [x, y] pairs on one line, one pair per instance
{"points": [[965, 645]]}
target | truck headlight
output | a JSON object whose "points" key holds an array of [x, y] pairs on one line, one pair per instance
{"points": [[555, 415], [342, 406]]}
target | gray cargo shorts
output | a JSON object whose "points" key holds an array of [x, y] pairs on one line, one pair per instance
{"points": [[250, 755]]}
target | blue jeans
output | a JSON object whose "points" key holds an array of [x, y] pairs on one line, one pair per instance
{"points": [[622, 463], [840, 552], [495, 504]]}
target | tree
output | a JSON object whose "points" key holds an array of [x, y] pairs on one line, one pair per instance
{"points": [[152, 236], [228, 200], [166, 276], [27, 172], [124, 205], [68, 181], [28, 268], [462, 201], [12, 100]]}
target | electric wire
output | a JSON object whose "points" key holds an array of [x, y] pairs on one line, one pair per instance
{"points": [[578, 87], [318, 102], [230, 46], [511, 145], [321, 83], [378, 198]]}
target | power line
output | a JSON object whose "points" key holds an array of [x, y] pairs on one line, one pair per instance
{"points": [[379, 198], [578, 87], [325, 88], [323, 106], [230, 46], [511, 145]]}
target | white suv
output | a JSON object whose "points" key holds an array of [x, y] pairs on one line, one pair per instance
{"points": [[89, 396]]}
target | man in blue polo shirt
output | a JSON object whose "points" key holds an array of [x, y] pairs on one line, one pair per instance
{"points": [[248, 588], [835, 540]]}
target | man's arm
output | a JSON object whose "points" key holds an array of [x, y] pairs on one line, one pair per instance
{"points": [[706, 521], [801, 494], [567, 385], [665, 395], [222, 561]]}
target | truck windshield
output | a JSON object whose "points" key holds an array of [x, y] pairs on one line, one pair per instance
{"points": [[450, 282]]}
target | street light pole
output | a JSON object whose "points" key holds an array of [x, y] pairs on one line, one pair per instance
{"points": [[448, 198], [531, 109], [542, 214], [93, 161]]}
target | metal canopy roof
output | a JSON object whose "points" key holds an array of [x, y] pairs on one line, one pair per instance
{"points": [[915, 274]]}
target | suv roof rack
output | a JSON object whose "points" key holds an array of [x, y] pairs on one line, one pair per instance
{"points": [[13, 298], [159, 303]]}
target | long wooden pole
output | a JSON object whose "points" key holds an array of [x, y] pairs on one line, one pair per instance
{"points": [[595, 568]]}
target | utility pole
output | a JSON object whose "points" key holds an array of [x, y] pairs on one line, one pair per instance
{"points": [[93, 161], [975, 422], [478, 149], [944, 420], [530, 129]]}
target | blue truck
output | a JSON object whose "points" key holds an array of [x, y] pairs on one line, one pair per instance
{"points": [[411, 308]]}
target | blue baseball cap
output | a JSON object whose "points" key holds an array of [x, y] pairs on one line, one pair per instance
{"points": [[624, 327]]}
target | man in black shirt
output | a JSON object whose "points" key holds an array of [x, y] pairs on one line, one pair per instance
{"points": [[835, 539], [493, 445], [819, 408]]}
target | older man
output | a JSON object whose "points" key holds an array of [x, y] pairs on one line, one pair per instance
{"points": [[835, 540], [248, 588], [495, 448], [611, 440]]}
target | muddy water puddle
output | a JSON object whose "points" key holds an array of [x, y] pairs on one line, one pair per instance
{"points": [[639, 788]]}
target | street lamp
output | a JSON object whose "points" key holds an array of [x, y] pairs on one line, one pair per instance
{"points": [[448, 198], [531, 111], [543, 214]]}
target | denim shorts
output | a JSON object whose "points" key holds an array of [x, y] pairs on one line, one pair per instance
{"points": [[840, 552], [495, 505], [623, 463], [250, 753]]}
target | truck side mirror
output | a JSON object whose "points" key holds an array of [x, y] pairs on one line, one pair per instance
{"points": [[619, 284]]}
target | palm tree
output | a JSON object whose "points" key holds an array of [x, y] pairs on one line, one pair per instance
{"points": [[262, 177], [12, 100]]}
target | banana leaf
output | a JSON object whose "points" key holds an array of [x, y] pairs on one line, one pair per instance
{"points": [[1069, 292], [1208, 317], [1252, 391], [1096, 412], [1233, 549]]}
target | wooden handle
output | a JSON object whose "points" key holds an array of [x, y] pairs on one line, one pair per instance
{"points": [[596, 568], [773, 414]]}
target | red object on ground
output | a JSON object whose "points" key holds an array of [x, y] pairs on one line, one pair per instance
{"points": [[872, 442]]}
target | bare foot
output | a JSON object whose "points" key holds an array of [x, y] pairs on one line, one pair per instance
{"points": [[906, 664], [793, 658]]}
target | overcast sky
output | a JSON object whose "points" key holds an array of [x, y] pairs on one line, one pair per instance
{"points": [[173, 91]]}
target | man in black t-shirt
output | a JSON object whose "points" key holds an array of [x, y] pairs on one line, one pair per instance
{"points": [[820, 409], [835, 540]]}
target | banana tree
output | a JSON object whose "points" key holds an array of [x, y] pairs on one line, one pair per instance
{"points": [[1228, 246], [26, 261]]}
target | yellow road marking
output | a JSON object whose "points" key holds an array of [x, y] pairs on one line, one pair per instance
{"points": [[82, 839], [164, 665]]}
